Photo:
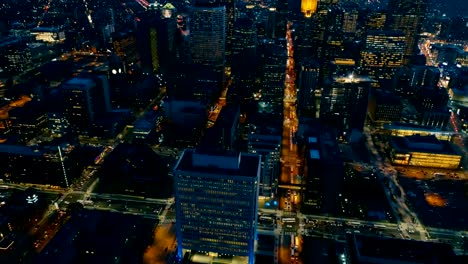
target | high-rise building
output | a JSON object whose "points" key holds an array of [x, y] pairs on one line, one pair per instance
{"points": [[15, 55], [407, 16], [344, 103], [273, 73], [422, 76], [124, 44], [384, 107], [85, 99], [79, 107], [309, 7], [244, 54], [308, 88], [376, 21], [230, 19], [350, 18], [216, 203], [269, 147], [383, 54], [208, 36]]}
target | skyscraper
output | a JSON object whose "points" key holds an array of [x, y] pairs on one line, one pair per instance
{"points": [[79, 95], [308, 86], [407, 16], [383, 54], [308, 7], [273, 74], [344, 103], [208, 35], [216, 202], [244, 53]]}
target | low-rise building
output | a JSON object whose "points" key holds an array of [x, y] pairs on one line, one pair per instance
{"points": [[424, 151]]}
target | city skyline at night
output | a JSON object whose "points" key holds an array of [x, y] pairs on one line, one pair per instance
{"points": [[235, 132]]}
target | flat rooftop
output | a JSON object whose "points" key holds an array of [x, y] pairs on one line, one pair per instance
{"points": [[220, 163], [423, 144], [409, 126], [401, 251]]}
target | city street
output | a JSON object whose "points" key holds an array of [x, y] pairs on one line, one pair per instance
{"points": [[407, 220]]}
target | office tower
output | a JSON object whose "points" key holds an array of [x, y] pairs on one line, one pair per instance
{"points": [[165, 42], [271, 23], [85, 99], [350, 18], [273, 73], [208, 37], [281, 11], [383, 54], [309, 94], [309, 7], [408, 16], [28, 121], [327, 3], [15, 55], [421, 76], [344, 103], [147, 40], [230, 13], [216, 203], [310, 35], [124, 44], [269, 147], [79, 107], [376, 21], [244, 54], [384, 107], [222, 135]]}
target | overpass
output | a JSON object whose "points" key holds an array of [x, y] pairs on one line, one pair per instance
{"points": [[291, 186]]}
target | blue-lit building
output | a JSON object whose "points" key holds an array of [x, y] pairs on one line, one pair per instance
{"points": [[216, 203]]}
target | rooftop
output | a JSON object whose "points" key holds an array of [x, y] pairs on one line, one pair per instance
{"points": [[401, 251], [81, 83], [419, 143], [224, 163], [409, 126]]}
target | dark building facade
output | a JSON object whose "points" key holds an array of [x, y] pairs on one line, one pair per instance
{"points": [[216, 202]]}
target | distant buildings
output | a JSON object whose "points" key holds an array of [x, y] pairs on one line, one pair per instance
{"points": [[216, 203]]}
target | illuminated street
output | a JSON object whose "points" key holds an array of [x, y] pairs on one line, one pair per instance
{"points": [[407, 220], [289, 152]]}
